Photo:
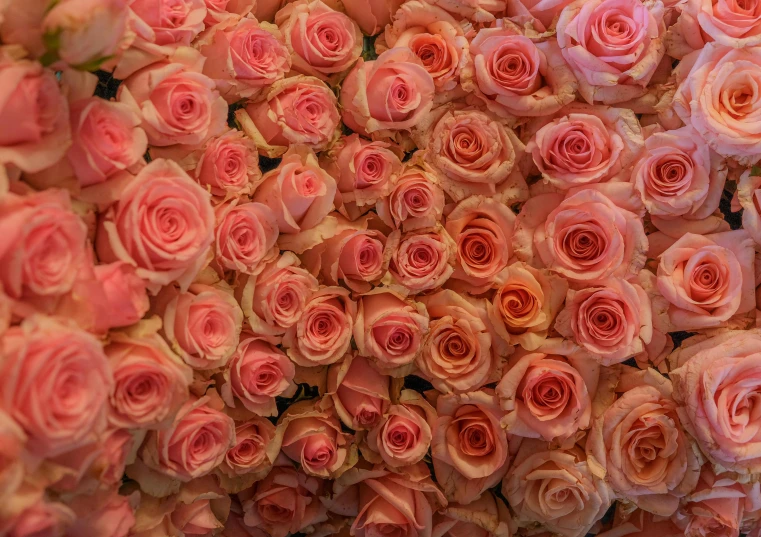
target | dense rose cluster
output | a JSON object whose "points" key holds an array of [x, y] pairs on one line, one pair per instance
{"points": [[380, 268]]}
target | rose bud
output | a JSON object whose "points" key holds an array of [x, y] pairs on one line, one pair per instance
{"points": [[246, 234], [423, 260], [360, 394], [415, 201], [254, 452]]}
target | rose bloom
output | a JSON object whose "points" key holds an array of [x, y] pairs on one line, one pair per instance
{"points": [[588, 235], [193, 445], [223, 10], [478, 11], [323, 333], [390, 329], [488, 516], [482, 228], [612, 46], [55, 384], [415, 200], [423, 260], [514, 76], [749, 199], [163, 224], [43, 518], [34, 105], [313, 438], [258, 372], [179, 29], [198, 517], [43, 248], [245, 234], [360, 394], [715, 384], [254, 451], [372, 15], [298, 191], [298, 110], [556, 489], [707, 279], [525, 304], [585, 144], [641, 524], [539, 14], [707, 99], [727, 23], [393, 92]]}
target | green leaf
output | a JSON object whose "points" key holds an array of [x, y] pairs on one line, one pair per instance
{"points": [[92, 65], [755, 171]]}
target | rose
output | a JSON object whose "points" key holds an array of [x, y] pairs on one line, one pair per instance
{"points": [[612, 46], [641, 524], [102, 515], [487, 516], [245, 57], [43, 518], [197, 517], [162, 224], [360, 394], [12, 441], [547, 486], [222, 10], [322, 42], [254, 451], [457, 355], [258, 373], [169, 23], [390, 329], [707, 279], [372, 15], [469, 448], [37, 109], [525, 305], [415, 200], [393, 92], [749, 198], [124, 298], [297, 110], [479, 11], [55, 384], [323, 333], [423, 260], [539, 14], [726, 23], [246, 234], [639, 446], [514, 76], [44, 244]]}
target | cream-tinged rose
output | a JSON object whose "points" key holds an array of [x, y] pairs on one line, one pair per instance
{"points": [[372, 15], [196, 518], [360, 394], [415, 200], [707, 279], [487, 516], [749, 198], [253, 452], [170, 22], [245, 234], [540, 15], [423, 260], [612, 46], [478, 11], [223, 10]]}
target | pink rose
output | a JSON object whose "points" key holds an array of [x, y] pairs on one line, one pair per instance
{"points": [[423, 260], [393, 92], [223, 10], [169, 22], [479, 11], [488, 516], [707, 279], [360, 394], [641, 524], [197, 518], [415, 200], [55, 384], [253, 452], [202, 324], [539, 14], [163, 224], [46, 519], [749, 198], [372, 15], [613, 63], [121, 297], [258, 372], [102, 515], [12, 468], [390, 329], [245, 235]]}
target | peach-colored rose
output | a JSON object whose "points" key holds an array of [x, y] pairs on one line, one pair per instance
{"points": [[360, 394], [12, 467], [48, 519], [390, 329], [478, 11], [253, 451], [223, 10], [613, 61], [707, 279], [555, 489], [372, 15], [393, 92], [102, 515], [21, 24], [197, 518], [169, 22], [55, 384], [487, 516], [258, 372], [749, 198], [163, 224], [415, 200], [540, 15], [245, 234], [423, 260], [641, 524], [323, 333]]}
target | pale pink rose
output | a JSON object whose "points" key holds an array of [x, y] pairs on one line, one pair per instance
{"points": [[244, 57], [590, 234], [32, 102], [245, 235], [390, 329], [197, 518], [124, 300], [43, 518], [469, 447], [43, 244], [749, 198], [514, 76], [540, 15], [585, 144], [258, 372], [393, 92], [555, 489], [150, 381], [202, 324], [707, 279], [715, 380], [478, 11], [253, 452], [177, 103], [613, 62], [163, 224], [487, 516], [372, 15], [298, 191], [415, 200], [525, 304], [298, 110], [55, 384], [323, 333], [223, 10], [482, 228], [360, 394], [641, 524], [423, 260], [102, 515], [729, 130], [312, 437], [169, 22]]}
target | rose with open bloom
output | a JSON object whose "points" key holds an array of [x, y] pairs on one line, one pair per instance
{"points": [[245, 234], [469, 447], [181, 28], [423, 260], [360, 394], [255, 449], [612, 46], [487, 516], [415, 200], [707, 278]]}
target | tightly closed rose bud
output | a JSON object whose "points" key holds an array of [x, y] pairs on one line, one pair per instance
{"points": [[415, 200], [246, 234], [254, 451], [360, 394], [423, 260]]}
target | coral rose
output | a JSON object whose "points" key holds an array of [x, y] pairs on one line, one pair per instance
{"points": [[423, 260], [255, 449], [415, 200], [488, 516], [245, 234], [360, 394]]}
